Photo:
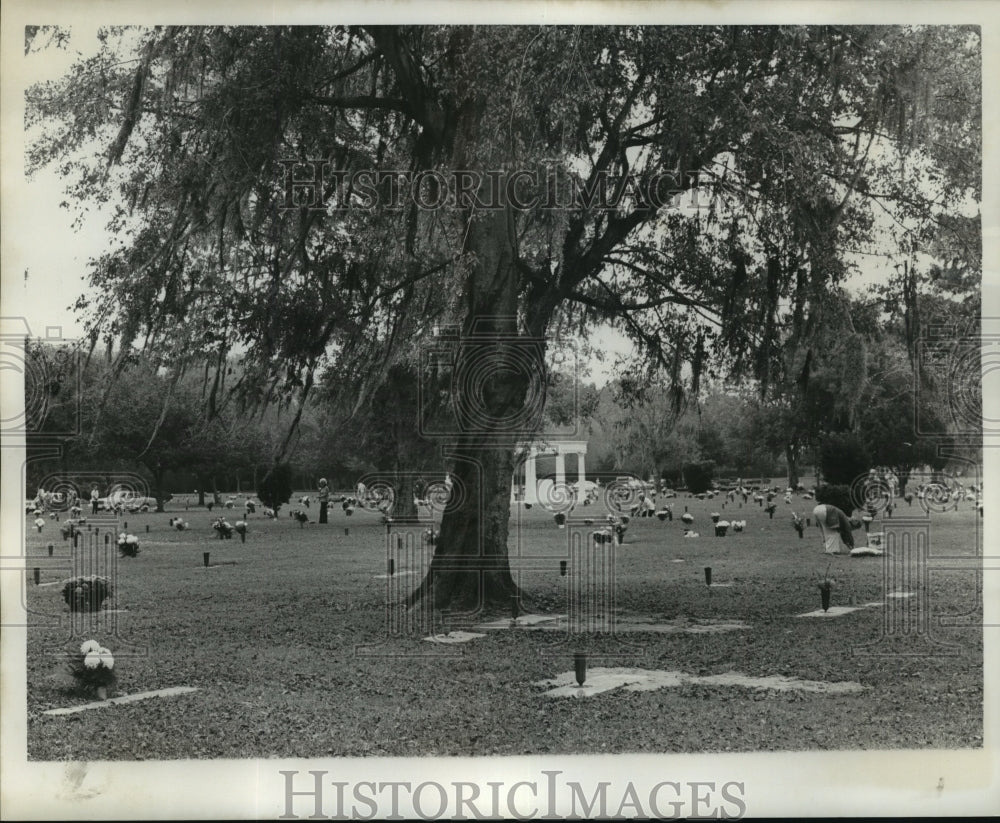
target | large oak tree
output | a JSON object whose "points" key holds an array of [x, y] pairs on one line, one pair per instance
{"points": [[793, 138]]}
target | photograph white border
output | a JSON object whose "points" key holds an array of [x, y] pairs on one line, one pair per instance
{"points": [[800, 784]]}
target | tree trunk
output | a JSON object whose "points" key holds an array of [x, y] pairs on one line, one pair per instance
{"points": [[158, 489], [493, 369], [903, 475], [792, 458], [494, 366], [403, 507], [470, 570]]}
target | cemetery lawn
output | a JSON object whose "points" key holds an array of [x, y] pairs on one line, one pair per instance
{"points": [[286, 642]]}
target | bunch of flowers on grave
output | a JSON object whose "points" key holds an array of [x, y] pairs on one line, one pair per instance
{"points": [[128, 545], [798, 523], [604, 536], [223, 528], [93, 668], [86, 593], [39, 523]]}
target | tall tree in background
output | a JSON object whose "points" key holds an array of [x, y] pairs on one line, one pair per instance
{"points": [[199, 124]]}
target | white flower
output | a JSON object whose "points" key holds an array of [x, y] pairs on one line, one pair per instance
{"points": [[131, 539], [90, 646], [107, 660], [92, 660], [39, 522]]}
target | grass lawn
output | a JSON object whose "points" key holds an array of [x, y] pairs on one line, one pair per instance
{"points": [[286, 641]]}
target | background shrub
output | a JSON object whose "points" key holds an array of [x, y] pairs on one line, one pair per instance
{"points": [[836, 495], [276, 489], [698, 476], [842, 459]]}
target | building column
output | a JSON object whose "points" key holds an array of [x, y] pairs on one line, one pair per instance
{"points": [[581, 470], [530, 482], [560, 468]]}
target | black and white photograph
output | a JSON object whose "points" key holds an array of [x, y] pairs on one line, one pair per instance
{"points": [[540, 410]]}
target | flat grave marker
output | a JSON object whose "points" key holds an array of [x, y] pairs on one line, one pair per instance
{"points": [[454, 637], [601, 679], [127, 698]]}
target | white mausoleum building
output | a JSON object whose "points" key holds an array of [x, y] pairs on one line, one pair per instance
{"points": [[529, 487]]}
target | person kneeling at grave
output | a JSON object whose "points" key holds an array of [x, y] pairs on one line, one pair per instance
{"points": [[835, 528]]}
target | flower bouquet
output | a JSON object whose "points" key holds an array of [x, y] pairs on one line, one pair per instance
{"points": [[560, 518], [664, 514], [93, 667], [223, 528], [825, 586], [604, 536], [721, 528], [128, 545], [799, 524], [39, 523], [715, 517], [86, 593]]}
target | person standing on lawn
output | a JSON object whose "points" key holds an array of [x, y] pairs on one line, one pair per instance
{"points": [[835, 529], [324, 499]]}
